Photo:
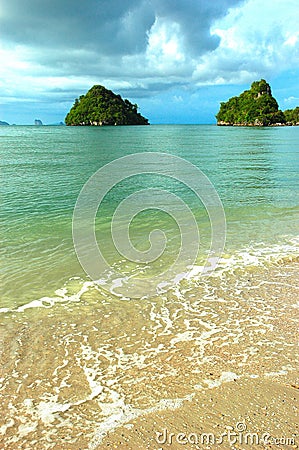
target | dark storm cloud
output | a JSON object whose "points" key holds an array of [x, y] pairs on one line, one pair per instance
{"points": [[111, 27], [54, 50], [106, 25]]}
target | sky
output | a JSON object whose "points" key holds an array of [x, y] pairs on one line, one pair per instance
{"points": [[177, 59]]}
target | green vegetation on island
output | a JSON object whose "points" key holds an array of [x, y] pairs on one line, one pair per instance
{"points": [[3, 123], [255, 107], [292, 116], [101, 106]]}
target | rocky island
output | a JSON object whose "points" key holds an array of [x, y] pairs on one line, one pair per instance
{"points": [[101, 106], [255, 107]]}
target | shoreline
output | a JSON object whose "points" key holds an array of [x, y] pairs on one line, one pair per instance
{"points": [[257, 125], [218, 418], [111, 374], [264, 399]]}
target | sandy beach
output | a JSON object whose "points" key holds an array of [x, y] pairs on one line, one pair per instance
{"points": [[259, 408], [216, 369]]}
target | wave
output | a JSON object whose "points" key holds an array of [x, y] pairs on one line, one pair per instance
{"points": [[255, 256]]}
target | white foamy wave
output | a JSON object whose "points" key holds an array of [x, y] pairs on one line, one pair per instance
{"points": [[120, 414], [62, 296], [256, 255], [226, 377]]}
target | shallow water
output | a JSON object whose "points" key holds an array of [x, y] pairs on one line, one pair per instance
{"points": [[79, 360], [90, 364], [254, 171]]}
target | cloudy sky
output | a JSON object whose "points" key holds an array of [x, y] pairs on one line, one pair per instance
{"points": [[176, 58]]}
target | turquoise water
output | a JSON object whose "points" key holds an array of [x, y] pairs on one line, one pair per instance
{"points": [[80, 360], [254, 171]]}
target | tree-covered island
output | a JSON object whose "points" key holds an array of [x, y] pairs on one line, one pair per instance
{"points": [[101, 106], [292, 116], [255, 107]]}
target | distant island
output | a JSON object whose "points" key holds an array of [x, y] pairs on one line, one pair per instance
{"points": [[292, 116], [3, 123], [38, 122], [255, 107], [101, 106]]}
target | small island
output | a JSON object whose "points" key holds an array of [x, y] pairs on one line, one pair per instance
{"points": [[101, 106], [3, 123], [255, 107], [292, 116]]}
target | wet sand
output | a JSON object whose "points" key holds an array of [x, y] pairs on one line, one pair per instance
{"points": [[217, 357], [259, 409], [255, 412]]}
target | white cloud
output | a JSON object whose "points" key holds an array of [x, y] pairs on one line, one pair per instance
{"points": [[290, 102], [178, 99], [257, 39], [292, 39], [152, 43], [53, 51], [164, 51]]}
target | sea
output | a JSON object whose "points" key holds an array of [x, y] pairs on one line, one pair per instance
{"points": [[135, 260]]}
